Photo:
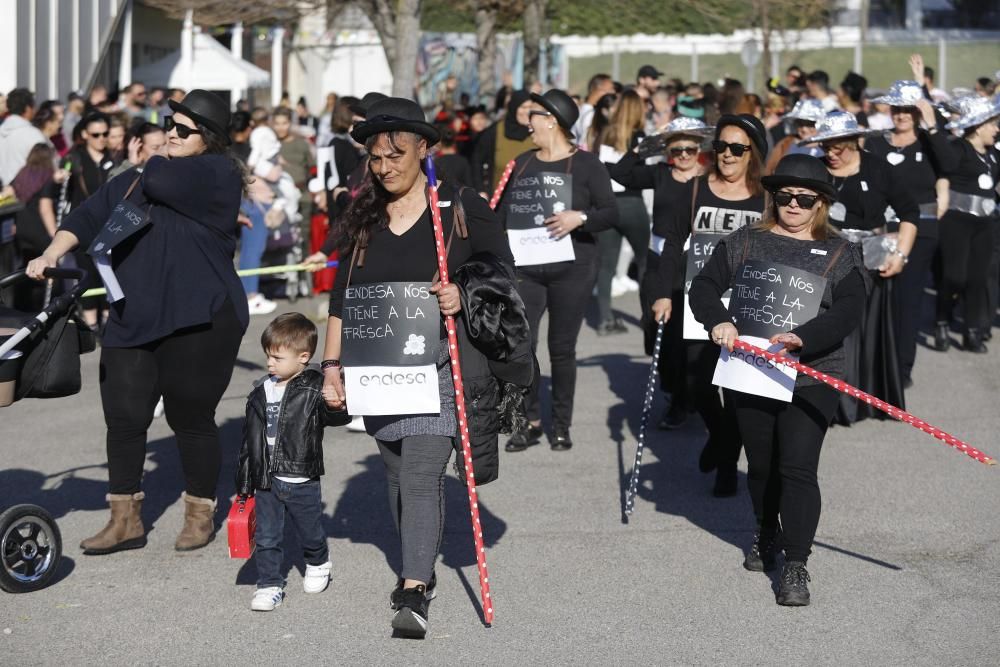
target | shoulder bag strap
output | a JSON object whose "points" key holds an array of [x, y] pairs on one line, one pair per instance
{"points": [[694, 196], [833, 260]]}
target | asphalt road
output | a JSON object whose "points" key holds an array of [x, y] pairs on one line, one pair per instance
{"points": [[904, 571]]}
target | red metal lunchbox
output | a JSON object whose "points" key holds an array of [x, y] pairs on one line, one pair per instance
{"points": [[242, 525]]}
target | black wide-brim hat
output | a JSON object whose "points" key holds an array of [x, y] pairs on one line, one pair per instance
{"points": [[560, 105], [360, 108], [206, 109], [749, 124], [801, 171], [394, 114]]}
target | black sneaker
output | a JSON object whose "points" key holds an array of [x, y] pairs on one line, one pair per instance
{"points": [[396, 597], [707, 461], [561, 440], [973, 342], [521, 440], [725, 482], [674, 417], [793, 591], [942, 341], [763, 554], [411, 616]]}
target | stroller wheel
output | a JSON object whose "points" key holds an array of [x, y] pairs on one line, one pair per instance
{"points": [[30, 547]]}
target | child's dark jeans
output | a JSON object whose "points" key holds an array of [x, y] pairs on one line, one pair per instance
{"points": [[304, 506]]}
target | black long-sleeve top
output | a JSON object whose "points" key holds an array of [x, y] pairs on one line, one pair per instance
{"points": [[633, 173], [592, 193], [965, 165], [630, 190], [841, 307], [866, 194], [712, 215], [412, 256], [917, 168], [178, 271]]}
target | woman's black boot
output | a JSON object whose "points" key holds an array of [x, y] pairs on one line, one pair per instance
{"points": [[941, 340], [974, 342]]}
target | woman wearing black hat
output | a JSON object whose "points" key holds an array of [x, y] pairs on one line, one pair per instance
{"points": [[866, 186], [501, 142], [388, 236], [560, 283], [729, 197], [681, 141], [783, 439], [177, 328]]}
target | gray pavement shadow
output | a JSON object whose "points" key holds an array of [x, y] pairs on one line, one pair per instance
{"points": [[67, 494]]}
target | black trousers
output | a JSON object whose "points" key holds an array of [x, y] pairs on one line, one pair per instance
{"points": [[966, 252], [191, 369], [719, 417], [564, 290], [783, 442], [908, 300]]}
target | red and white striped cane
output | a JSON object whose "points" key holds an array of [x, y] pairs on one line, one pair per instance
{"points": [[501, 185], [463, 423], [890, 410]]}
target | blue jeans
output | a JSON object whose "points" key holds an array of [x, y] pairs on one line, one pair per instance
{"points": [[253, 242], [303, 504]]}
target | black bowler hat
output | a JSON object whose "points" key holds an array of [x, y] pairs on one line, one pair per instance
{"points": [[801, 171], [360, 108], [560, 105], [394, 114], [206, 109], [749, 124]]}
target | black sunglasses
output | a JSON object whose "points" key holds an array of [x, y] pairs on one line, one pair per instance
{"points": [[683, 150], [183, 131], [536, 112], [784, 198], [737, 150], [98, 135]]}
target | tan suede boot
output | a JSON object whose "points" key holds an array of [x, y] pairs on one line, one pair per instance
{"points": [[124, 530], [199, 523]]}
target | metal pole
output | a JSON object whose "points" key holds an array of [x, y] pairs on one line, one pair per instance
{"points": [[858, 55], [125, 64], [277, 65], [616, 63], [694, 62], [942, 73]]}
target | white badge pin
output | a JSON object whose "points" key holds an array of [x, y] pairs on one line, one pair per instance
{"points": [[838, 212], [985, 181], [919, 156], [895, 158], [864, 186]]}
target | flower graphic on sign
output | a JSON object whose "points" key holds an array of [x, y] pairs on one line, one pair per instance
{"points": [[414, 345], [539, 219], [558, 207]]}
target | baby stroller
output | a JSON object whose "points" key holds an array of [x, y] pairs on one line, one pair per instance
{"points": [[284, 247], [39, 358]]}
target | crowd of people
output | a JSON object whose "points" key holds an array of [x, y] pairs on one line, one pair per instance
{"points": [[876, 198]]}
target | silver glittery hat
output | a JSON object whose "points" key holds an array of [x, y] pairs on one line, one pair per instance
{"points": [[973, 110], [681, 126], [838, 125], [902, 94], [807, 110]]}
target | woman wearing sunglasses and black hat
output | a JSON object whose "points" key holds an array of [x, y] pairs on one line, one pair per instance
{"points": [[176, 327], [680, 141], [565, 197], [866, 186], [729, 197], [386, 236], [783, 439]]}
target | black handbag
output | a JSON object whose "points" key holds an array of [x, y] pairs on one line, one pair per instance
{"points": [[51, 366]]}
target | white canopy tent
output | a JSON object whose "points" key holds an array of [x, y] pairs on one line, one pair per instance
{"points": [[210, 66]]}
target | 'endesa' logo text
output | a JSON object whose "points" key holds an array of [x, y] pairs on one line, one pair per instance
{"points": [[392, 379]]}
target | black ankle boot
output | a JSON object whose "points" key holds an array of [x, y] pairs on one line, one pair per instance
{"points": [[793, 590], [763, 554], [973, 342], [941, 340]]}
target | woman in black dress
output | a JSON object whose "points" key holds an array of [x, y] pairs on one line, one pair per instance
{"points": [[177, 329], [866, 186]]}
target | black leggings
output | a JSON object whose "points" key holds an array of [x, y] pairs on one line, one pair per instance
{"points": [[191, 369], [633, 224], [966, 250], [719, 418], [783, 442], [564, 290]]}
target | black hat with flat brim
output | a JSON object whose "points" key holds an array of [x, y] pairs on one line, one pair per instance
{"points": [[360, 108], [799, 170], [560, 105], [206, 109], [394, 114]]}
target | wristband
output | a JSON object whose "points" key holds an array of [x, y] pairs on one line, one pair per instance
{"points": [[330, 363], [900, 253]]}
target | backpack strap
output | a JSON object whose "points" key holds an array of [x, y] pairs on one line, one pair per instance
{"points": [[457, 223]]}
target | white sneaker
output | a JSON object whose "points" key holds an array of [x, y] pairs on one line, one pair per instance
{"points": [[317, 578], [618, 288], [629, 284], [259, 305], [266, 599], [357, 425]]}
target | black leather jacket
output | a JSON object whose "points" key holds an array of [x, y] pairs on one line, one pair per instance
{"points": [[298, 450]]}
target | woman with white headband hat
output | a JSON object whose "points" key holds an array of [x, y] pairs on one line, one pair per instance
{"points": [[680, 141], [966, 228], [913, 155], [801, 121], [866, 187]]}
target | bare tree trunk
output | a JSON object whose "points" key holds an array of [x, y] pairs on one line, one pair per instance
{"points": [[380, 13], [486, 42], [765, 35], [534, 18], [404, 70]]}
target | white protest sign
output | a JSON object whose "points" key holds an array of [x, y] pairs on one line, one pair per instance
{"points": [[390, 338], [528, 202], [751, 374]]}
